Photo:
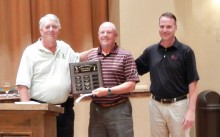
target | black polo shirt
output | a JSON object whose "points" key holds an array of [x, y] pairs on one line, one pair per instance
{"points": [[171, 69]]}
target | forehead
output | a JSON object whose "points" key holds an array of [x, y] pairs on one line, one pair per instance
{"points": [[49, 22], [106, 26], [166, 20]]}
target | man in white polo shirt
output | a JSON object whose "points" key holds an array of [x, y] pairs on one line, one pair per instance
{"points": [[44, 75]]}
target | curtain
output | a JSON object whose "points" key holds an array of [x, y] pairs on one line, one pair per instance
{"points": [[19, 27]]}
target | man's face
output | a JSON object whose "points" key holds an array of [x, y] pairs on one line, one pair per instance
{"points": [[50, 30], [107, 35], [167, 28]]}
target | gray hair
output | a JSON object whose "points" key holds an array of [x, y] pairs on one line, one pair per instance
{"points": [[50, 17]]}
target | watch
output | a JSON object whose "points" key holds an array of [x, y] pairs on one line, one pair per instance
{"points": [[109, 92]]}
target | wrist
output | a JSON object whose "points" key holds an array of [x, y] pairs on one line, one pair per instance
{"points": [[109, 91]]}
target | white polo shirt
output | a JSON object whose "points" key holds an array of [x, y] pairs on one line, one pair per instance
{"points": [[46, 74]]}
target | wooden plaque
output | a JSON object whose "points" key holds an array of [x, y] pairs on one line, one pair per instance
{"points": [[85, 76]]}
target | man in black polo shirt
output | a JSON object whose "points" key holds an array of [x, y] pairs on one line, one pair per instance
{"points": [[174, 77]]}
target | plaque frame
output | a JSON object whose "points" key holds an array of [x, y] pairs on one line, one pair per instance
{"points": [[85, 76]]}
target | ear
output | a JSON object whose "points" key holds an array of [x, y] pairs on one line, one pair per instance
{"points": [[40, 31], [116, 34]]}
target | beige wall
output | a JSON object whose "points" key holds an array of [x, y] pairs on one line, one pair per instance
{"points": [[198, 26], [204, 34], [137, 22]]}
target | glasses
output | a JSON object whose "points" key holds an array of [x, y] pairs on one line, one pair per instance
{"points": [[6, 86]]}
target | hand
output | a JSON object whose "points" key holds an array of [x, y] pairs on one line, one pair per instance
{"points": [[188, 119], [100, 92]]}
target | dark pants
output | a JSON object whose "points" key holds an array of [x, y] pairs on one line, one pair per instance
{"points": [[114, 121], [65, 121]]}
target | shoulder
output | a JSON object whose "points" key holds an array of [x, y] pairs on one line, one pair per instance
{"points": [[62, 43], [184, 49], [31, 49], [65, 47], [123, 51], [183, 46], [151, 48]]}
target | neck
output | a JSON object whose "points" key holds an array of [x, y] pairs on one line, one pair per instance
{"points": [[50, 45], [107, 49], [167, 43]]}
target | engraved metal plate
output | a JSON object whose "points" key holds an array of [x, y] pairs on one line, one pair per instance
{"points": [[85, 76]]}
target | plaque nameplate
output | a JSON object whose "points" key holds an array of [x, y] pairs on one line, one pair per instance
{"points": [[85, 76]]}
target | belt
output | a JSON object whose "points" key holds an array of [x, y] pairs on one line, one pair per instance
{"points": [[107, 105], [39, 101], [171, 100]]}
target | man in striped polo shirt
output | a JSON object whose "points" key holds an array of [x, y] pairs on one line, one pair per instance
{"points": [[110, 109]]}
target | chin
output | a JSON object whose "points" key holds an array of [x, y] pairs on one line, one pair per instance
{"points": [[105, 45]]}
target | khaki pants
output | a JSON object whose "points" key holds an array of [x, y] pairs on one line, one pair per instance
{"points": [[166, 119]]}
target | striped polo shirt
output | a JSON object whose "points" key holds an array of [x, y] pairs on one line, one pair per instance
{"points": [[117, 67]]}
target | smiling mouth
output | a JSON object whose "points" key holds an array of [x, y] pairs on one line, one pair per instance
{"points": [[51, 35], [165, 35]]}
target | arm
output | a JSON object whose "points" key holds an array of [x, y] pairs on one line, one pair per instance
{"points": [[24, 94], [120, 89], [190, 114], [83, 55]]}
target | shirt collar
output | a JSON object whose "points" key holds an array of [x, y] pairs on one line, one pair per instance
{"points": [[174, 46], [113, 51], [42, 48]]}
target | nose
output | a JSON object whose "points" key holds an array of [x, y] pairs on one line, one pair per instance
{"points": [[164, 29], [51, 28]]}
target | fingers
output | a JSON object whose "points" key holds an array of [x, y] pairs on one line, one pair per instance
{"points": [[187, 124], [94, 92]]}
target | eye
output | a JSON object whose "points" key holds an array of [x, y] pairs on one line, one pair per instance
{"points": [[102, 32], [109, 32], [47, 27], [54, 26], [51, 26], [105, 32], [169, 27], [161, 27]]}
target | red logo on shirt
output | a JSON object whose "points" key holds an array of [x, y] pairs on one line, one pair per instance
{"points": [[173, 57]]}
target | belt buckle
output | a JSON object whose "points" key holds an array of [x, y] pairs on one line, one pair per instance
{"points": [[168, 100], [164, 100]]}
